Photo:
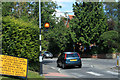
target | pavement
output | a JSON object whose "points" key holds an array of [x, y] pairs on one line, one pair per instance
{"points": [[50, 72]]}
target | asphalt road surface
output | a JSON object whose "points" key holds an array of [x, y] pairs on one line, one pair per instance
{"points": [[91, 69]]}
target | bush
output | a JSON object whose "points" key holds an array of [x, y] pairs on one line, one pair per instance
{"points": [[20, 39], [34, 66]]}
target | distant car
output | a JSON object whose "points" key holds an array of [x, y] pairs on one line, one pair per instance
{"points": [[47, 54], [69, 59]]}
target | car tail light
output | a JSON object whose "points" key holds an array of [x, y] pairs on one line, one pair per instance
{"points": [[65, 56], [79, 55]]}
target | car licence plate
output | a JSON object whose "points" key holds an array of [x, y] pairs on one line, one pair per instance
{"points": [[73, 60]]}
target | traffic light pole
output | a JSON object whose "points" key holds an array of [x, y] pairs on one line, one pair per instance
{"points": [[40, 57], [46, 26]]}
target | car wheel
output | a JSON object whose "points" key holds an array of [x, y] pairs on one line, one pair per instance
{"points": [[63, 66], [43, 57], [80, 65], [58, 65]]}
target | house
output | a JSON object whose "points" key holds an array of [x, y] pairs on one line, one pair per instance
{"points": [[67, 20]]}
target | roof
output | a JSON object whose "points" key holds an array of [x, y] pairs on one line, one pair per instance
{"points": [[71, 16], [69, 52]]}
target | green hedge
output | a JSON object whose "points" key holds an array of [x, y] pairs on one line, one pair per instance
{"points": [[20, 39]]}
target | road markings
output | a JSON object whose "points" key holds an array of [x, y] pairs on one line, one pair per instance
{"points": [[86, 59], [114, 73], [92, 66], [96, 74], [59, 70], [76, 75], [53, 67]]}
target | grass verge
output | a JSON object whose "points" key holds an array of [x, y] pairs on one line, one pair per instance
{"points": [[31, 76]]}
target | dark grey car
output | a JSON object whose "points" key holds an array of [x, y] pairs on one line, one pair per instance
{"points": [[47, 54]]}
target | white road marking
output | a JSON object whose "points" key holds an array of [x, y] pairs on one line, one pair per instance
{"points": [[52, 67], [85, 59], [77, 75], [114, 73], [59, 70], [96, 74], [92, 66]]}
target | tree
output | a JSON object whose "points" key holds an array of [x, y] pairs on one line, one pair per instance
{"points": [[47, 10], [89, 22], [29, 12], [21, 9], [24, 10], [58, 38], [118, 26], [7, 8], [112, 12], [109, 40], [111, 9]]}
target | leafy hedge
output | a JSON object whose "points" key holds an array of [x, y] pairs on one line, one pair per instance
{"points": [[20, 39]]}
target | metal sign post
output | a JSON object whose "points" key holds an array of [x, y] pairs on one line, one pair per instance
{"points": [[40, 60], [40, 57]]}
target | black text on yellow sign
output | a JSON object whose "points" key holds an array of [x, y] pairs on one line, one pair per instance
{"points": [[13, 66]]}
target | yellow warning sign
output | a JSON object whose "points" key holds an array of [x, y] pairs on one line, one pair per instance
{"points": [[13, 66]]}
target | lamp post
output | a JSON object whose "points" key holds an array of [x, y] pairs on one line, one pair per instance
{"points": [[40, 57]]}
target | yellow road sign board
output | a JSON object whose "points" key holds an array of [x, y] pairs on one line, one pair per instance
{"points": [[13, 66]]}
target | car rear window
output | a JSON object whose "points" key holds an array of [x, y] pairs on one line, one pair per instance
{"points": [[47, 52], [72, 55]]}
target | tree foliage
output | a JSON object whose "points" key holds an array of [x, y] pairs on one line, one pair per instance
{"points": [[58, 37], [47, 12], [109, 40], [112, 12], [22, 30], [7, 8], [111, 9], [20, 39], [89, 22]]}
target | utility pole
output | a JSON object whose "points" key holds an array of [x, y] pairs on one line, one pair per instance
{"points": [[40, 57], [47, 25]]}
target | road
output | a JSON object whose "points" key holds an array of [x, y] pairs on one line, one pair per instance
{"points": [[91, 68]]}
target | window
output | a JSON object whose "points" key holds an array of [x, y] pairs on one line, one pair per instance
{"points": [[72, 55]]}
